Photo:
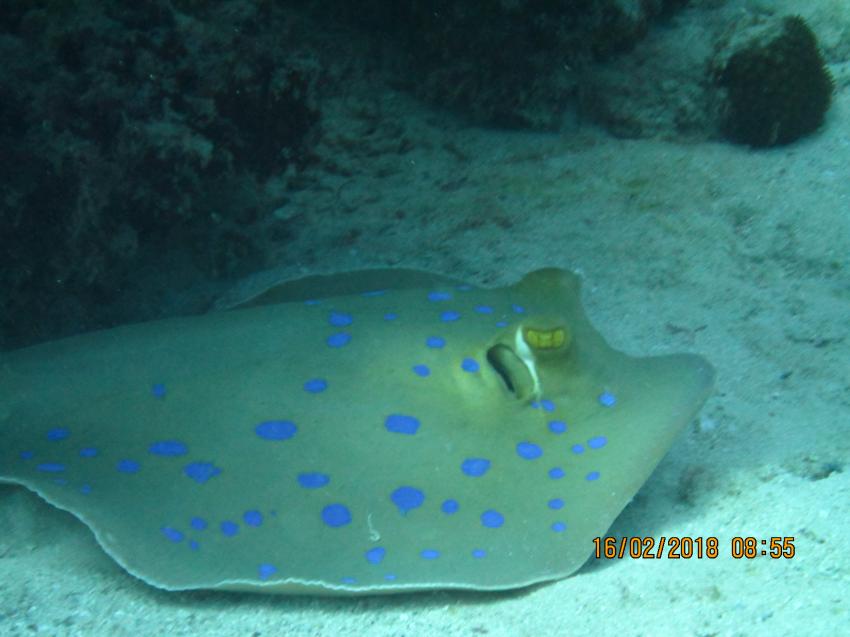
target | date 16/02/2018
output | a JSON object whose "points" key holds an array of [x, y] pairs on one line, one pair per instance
{"points": [[686, 547]]}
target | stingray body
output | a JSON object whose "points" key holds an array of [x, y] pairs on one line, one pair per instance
{"points": [[373, 432]]}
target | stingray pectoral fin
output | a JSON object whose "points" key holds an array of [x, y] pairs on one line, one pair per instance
{"points": [[618, 448], [663, 395]]}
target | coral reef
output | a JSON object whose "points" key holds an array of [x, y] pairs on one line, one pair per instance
{"points": [[135, 134]]}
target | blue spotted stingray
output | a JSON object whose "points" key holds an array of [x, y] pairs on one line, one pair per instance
{"points": [[371, 432]]}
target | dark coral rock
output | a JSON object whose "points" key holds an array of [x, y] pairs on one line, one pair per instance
{"points": [[778, 90]]}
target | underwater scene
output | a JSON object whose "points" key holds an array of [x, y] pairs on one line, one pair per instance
{"points": [[419, 318]]}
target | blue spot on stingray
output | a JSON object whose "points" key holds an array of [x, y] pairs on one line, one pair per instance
{"points": [[439, 296], [199, 524], [449, 506], [607, 399], [158, 390], [556, 473], [593, 475], [421, 370], [200, 472], [168, 448], [479, 553], [51, 467], [58, 433], [492, 519], [556, 503], [429, 554], [557, 426], [276, 429], [535, 404], [193, 544], [390, 316], [484, 309], [88, 452], [401, 424], [336, 515], [407, 498], [449, 315], [85, 489], [597, 442], [313, 480], [435, 342], [528, 450], [128, 466], [475, 467], [376, 555], [316, 385], [390, 577], [501, 323], [547, 405], [577, 449], [558, 527], [518, 309], [265, 571], [252, 518], [348, 580], [340, 339], [229, 528], [26, 455], [172, 534], [340, 319], [469, 365]]}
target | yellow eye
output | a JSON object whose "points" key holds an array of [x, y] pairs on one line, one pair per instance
{"points": [[545, 339]]}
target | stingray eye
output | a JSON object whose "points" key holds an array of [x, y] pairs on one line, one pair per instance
{"points": [[546, 339], [512, 369]]}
